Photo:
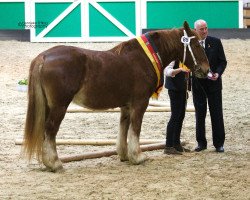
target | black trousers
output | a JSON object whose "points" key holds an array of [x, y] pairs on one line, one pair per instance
{"points": [[178, 100], [202, 97]]}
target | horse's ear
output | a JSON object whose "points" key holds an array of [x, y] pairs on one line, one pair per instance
{"points": [[186, 26], [155, 35]]}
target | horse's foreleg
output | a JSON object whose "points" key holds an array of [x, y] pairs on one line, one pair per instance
{"points": [[122, 136], [134, 151], [50, 157]]}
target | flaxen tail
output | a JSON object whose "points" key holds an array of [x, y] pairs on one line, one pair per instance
{"points": [[36, 111]]}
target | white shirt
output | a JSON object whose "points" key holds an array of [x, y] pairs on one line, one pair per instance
{"points": [[169, 69]]}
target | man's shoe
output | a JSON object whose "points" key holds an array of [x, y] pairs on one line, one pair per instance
{"points": [[171, 150], [181, 148], [220, 149], [200, 148]]}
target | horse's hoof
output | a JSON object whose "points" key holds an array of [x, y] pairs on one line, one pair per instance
{"points": [[141, 158], [58, 170], [55, 170], [123, 156], [54, 167], [124, 159]]}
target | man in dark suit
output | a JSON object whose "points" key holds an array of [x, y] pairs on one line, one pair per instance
{"points": [[209, 91]]}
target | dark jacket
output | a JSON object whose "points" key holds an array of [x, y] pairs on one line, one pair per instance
{"points": [[177, 83], [217, 60]]}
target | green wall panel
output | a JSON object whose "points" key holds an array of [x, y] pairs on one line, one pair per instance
{"points": [[169, 14], [70, 26], [124, 12], [12, 15], [173, 14]]}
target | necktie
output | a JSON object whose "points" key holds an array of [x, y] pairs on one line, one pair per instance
{"points": [[202, 43]]}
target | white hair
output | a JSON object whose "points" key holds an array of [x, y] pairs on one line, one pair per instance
{"points": [[199, 22]]}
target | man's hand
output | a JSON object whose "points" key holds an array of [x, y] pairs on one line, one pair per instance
{"points": [[213, 76]]}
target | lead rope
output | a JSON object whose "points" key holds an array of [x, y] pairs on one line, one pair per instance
{"points": [[186, 42], [187, 77]]}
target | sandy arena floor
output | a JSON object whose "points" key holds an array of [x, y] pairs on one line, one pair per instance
{"points": [[196, 176]]}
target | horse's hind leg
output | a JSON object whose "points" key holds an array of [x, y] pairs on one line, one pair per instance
{"points": [[122, 136], [134, 151], [50, 157]]}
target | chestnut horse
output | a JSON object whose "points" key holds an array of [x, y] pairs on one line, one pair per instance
{"points": [[120, 77]]}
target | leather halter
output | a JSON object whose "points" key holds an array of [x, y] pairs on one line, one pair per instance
{"points": [[186, 41]]}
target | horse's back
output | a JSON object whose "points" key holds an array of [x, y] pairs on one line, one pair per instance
{"points": [[95, 79]]}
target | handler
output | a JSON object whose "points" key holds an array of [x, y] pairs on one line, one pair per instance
{"points": [[176, 82]]}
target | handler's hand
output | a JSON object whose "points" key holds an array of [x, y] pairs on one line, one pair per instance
{"points": [[185, 70], [178, 70]]}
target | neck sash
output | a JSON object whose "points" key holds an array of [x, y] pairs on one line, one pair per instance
{"points": [[153, 55]]}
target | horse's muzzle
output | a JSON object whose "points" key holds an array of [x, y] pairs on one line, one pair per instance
{"points": [[199, 73]]}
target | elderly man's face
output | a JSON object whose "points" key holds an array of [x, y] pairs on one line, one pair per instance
{"points": [[201, 29]]}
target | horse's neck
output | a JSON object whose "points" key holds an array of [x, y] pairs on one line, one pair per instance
{"points": [[124, 47]]}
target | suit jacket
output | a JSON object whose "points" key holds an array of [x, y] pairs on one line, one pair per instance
{"points": [[217, 60], [177, 83]]}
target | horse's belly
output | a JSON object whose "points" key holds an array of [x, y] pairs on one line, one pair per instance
{"points": [[101, 98]]}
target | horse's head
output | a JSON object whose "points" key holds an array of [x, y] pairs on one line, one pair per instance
{"points": [[194, 56]]}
